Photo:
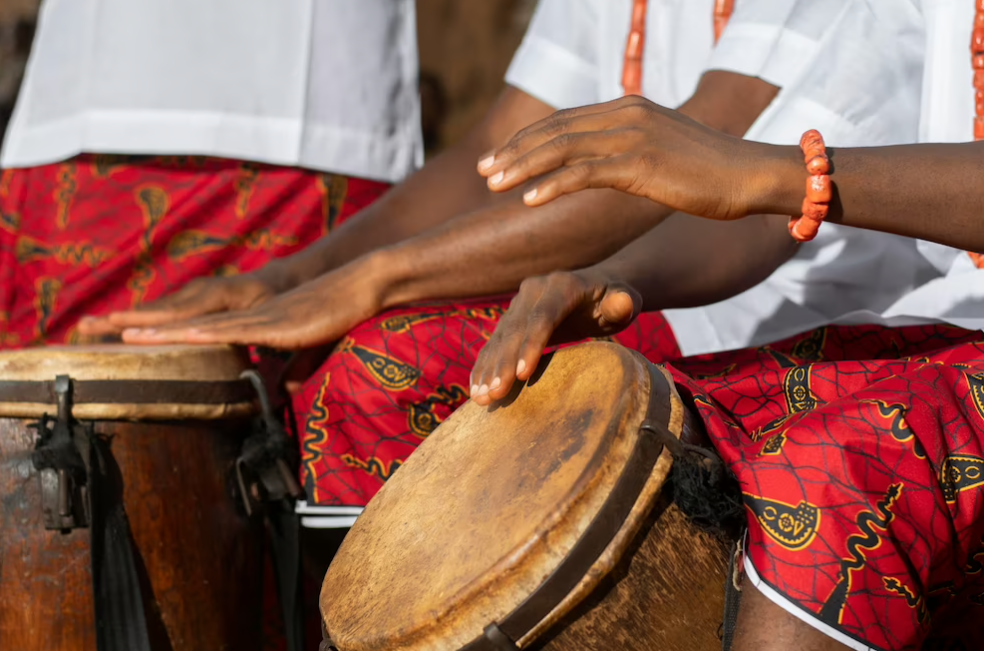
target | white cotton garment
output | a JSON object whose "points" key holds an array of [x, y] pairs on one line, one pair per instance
{"points": [[953, 288], [947, 117], [850, 68], [329, 85], [573, 51]]}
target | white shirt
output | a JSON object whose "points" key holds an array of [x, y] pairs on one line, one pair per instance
{"points": [[328, 85], [948, 113], [850, 68], [573, 51]]}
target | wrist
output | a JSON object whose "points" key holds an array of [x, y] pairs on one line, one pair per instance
{"points": [[277, 276], [384, 277], [775, 183]]}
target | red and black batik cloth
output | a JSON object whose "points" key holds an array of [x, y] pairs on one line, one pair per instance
{"points": [[860, 452], [102, 233], [393, 380]]}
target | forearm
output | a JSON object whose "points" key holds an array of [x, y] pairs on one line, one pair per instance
{"points": [[669, 271], [493, 250], [447, 186], [433, 194], [930, 192]]}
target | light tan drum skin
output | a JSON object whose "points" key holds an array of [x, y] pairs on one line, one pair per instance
{"points": [[542, 523], [172, 420]]}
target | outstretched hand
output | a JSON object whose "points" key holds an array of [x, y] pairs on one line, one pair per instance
{"points": [[315, 313], [198, 298], [634, 146], [549, 310]]}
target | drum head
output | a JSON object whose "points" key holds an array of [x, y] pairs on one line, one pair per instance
{"points": [[128, 382], [489, 506]]}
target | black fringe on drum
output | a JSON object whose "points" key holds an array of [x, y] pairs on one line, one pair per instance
{"points": [[706, 492]]}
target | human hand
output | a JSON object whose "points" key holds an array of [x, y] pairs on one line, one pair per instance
{"points": [[198, 298], [315, 313], [637, 147], [549, 310]]}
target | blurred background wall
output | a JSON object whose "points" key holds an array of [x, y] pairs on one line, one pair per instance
{"points": [[465, 48], [17, 19]]}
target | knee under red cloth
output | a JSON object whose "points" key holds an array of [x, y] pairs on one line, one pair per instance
{"points": [[860, 452], [393, 380], [102, 233]]}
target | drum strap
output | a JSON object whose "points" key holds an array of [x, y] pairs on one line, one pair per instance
{"points": [[285, 549], [654, 434], [121, 624]]}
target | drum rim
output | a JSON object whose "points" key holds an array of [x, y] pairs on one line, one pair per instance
{"points": [[130, 392], [605, 527]]}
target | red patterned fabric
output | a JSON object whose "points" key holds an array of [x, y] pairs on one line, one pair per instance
{"points": [[103, 233], [859, 451], [393, 380]]}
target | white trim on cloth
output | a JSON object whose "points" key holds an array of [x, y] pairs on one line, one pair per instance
{"points": [[796, 611], [327, 517]]}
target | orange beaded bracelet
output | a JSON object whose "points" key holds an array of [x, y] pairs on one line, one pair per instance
{"points": [[819, 190]]}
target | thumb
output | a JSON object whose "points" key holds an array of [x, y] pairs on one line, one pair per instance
{"points": [[619, 306]]}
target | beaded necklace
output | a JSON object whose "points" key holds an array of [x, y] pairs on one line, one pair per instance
{"points": [[634, 49]]}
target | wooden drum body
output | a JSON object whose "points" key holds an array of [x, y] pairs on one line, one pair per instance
{"points": [[542, 523], [198, 559]]}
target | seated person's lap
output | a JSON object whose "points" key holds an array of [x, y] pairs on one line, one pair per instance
{"points": [[858, 450]]}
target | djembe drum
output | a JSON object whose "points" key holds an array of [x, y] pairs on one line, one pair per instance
{"points": [[539, 523], [98, 440]]}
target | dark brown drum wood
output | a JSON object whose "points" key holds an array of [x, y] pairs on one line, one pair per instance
{"points": [[667, 594], [492, 512], [200, 559]]}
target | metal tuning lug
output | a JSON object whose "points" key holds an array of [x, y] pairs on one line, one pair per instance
{"points": [[263, 469], [61, 459]]}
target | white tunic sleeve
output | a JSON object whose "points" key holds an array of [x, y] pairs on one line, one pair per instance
{"points": [[559, 61]]}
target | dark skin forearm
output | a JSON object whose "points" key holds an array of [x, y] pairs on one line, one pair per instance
{"points": [[445, 188], [492, 250], [668, 271], [930, 192]]}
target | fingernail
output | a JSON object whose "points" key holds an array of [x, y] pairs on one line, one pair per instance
{"points": [[521, 366], [495, 384], [474, 391], [530, 196], [139, 332], [496, 178], [482, 390], [486, 163]]}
